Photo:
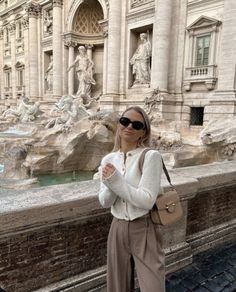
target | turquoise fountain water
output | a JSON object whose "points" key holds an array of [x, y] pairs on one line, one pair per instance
{"points": [[63, 178]]}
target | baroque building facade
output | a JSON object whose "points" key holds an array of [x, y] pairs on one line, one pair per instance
{"points": [[191, 61]]}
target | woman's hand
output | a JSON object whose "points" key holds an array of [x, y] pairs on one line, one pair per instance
{"points": [[108, 170]]}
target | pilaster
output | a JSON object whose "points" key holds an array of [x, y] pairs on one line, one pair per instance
{"points": [[226, 76], [223, 102], [12, 30]]}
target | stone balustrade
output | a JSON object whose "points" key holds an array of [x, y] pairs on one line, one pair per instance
{"points": [[55, 237], [200, 74]]}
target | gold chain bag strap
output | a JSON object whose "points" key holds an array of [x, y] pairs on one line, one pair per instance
{"points": [[167, 209]]}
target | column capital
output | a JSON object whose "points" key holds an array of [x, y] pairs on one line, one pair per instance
{"points": [[104, 24], [33, 9], [89, 46], [57, 3]]}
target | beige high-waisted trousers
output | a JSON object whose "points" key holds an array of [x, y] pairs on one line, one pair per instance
{"points": [[138, 243]]}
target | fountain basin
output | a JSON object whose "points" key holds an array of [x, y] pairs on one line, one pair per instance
{"points": [[18, 183]]}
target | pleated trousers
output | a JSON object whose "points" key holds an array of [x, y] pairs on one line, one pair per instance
{"points": [[135, 243]]}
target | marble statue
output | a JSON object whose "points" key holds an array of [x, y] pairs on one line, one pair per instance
{"points": [[152, 103], [221, 134], [141, 61], [84, 70], [25, 112], [32, 112], [19, 111], [67, 112], [49, 74]]}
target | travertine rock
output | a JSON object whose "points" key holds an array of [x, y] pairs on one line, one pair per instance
{"points": [[221, 135]]}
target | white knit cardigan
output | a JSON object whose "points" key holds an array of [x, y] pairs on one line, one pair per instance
{"points": [[130, 193]]}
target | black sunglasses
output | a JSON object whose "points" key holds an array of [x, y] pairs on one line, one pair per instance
{"points": [[136, 125]]}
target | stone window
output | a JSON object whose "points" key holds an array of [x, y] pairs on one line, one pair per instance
{"points": [[202, 50], [7, 77], [19, 30], [7, 36], [196, 116], [19, 75], [87, 18], [202, 39]]}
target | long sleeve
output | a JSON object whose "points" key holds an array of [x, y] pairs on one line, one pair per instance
{"points": [[144, 195], [105, 196]]}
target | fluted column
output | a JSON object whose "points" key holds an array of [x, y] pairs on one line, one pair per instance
{"points": [[113, 49], [161, 44], [57, 47], [33, 10]]}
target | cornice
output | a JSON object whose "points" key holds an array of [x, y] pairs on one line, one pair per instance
{"points": [[201, 4], [13, 8], [133, 14]]}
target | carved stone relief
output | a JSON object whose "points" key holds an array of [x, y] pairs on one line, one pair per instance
{"points": [[25, 22], [48, 22]]}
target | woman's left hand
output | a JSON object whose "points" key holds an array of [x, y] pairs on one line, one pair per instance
{"points": [[108, 170]]}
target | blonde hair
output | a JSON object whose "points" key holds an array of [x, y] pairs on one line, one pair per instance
{"points": [[145, 140]]}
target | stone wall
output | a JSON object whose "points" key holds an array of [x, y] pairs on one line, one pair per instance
{"points": [[54, 238], [37, 257]]}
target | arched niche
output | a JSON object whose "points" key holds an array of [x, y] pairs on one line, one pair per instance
{"points": [[86, 27], [78, 4]]}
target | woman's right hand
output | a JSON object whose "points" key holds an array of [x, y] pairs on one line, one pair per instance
{"points": [[108, 170]]}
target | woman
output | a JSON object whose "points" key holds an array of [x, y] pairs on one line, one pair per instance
{"points": [[133, 238]]}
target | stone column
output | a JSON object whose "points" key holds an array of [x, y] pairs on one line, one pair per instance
{"points": [[161, 39], [89, 51], [71, 45], [25, 23], [33, 9], [1, 64], [12, 30], [113, 50], [57, 47], [226, 76]]}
